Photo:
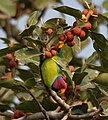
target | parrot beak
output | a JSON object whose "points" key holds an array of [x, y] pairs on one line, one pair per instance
{"points": [[61, 91]]}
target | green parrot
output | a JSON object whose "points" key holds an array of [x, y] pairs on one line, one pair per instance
{"points": [[52, 75]]}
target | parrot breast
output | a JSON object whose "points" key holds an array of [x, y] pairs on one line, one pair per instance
{"points": [[50, 71]]}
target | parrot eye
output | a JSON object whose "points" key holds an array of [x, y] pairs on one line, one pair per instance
{"points": [[61, 86]]}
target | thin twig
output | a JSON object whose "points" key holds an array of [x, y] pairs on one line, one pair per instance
{"points": [[3, 93], [8, 28], [42, 14], [7, 114], [42, 109], [4, 16], [50, 39]]}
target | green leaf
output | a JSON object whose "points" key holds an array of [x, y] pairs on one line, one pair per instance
{"points": [[91, 59], [11, 84], [105, 4], [77, 47], [26, 75], [87, 86], [102, 89], [6, 40], [4, 107], [7, 83], [38, 31], [7, 50], [52, 23], [80, 109], [24, 95], [67, 53], [101, 46], [94, 24], [26, 56], [69, 11], [101, 51], [28, 106], [93, 98], [84, 95], [78, 77], [28, 31], [103, 117], [37, 42], [8, 7], [59, 1], [33, 19], [92, 74], [68, 77], [80, 24], [60, 31], [42, 4], [104, 62], [104, 104], [99, 38], [30, 83], [2, 69], [99, 68], [35, 69], [102, 79], [103, 16], [48, 105]]}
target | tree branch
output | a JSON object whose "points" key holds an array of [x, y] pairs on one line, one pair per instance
{"points": [[51, 114], [4, 16], [54, 115], [87, 115], [59, 100]]}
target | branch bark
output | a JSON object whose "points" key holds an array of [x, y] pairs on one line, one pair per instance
{"points": [[55, 115], [87, 115], [59, 115], [59, 100]]}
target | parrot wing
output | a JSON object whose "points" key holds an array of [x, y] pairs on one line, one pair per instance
{"points": [[50, 71]]}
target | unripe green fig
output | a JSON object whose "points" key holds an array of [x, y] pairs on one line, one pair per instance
{"points": [[102, 79]]}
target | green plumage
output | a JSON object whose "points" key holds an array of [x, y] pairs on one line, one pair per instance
{"points": [[50, 71]]}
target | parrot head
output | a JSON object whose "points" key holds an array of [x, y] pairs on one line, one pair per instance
{"points": [[59, 85]]}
